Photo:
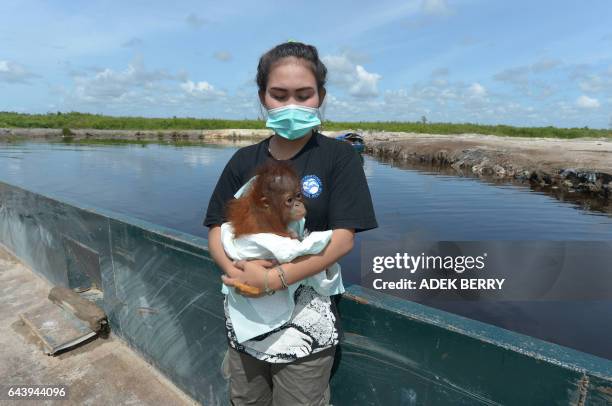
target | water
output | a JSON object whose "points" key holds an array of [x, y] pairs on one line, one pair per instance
{"points": [[171, 185]]}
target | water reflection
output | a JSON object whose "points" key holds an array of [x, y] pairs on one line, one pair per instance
{"points": [[171, 185]]}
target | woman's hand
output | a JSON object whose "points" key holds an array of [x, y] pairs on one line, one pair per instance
{"points": [[247, 277]]}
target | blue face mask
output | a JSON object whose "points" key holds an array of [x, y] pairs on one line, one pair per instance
{"points": [[293, 121]]}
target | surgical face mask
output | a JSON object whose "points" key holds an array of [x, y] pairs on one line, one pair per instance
{"points": [[293, 121]]}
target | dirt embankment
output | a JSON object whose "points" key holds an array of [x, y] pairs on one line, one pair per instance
{"points": [[576, 165], [216, 136]]}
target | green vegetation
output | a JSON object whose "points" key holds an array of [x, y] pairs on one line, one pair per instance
{"points": [[74, 120]]}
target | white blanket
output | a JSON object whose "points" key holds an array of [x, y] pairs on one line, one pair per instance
{"points": [[254, 316]]}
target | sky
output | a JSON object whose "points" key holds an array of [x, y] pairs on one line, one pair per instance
{"points": [[523, 63]]}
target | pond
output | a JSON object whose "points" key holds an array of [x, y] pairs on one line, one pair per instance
{"points": [[171, 184]]}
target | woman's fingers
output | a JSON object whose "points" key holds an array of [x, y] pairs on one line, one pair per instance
{"points": [[266, 263], [234, 271], [260, 262]]}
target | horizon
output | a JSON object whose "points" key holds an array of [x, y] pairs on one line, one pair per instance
{"points": [[332, 122]]}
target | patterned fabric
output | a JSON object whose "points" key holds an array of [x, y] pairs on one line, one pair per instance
{"points": [[313, 327]]}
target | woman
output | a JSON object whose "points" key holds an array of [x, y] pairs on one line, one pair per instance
{"points": [[291, 365]]}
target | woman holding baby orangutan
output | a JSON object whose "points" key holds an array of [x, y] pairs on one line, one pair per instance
{"points": [[291, 364]]}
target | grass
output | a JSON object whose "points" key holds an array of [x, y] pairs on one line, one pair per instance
{"points": [[75, 120]]}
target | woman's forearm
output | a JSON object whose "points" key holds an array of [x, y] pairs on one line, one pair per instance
{"points": [[301, 268], [216, 249]]}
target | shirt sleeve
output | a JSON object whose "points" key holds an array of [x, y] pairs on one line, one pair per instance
{"points": [[228, 184], [350, 202]]}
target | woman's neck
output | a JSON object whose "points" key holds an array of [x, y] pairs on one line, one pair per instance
{"points": [[283, 149]]}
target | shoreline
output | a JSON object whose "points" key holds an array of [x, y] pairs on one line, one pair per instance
{"points": [[139, 135], [579, 168], [566, 166]]}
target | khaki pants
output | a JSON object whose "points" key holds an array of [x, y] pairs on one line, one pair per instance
{"points": [[301, 382]]}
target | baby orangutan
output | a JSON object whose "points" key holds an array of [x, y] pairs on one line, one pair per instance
{"points": [[273, 201]]}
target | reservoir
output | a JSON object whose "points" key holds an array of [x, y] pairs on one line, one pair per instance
{"points": [[171, 184]]}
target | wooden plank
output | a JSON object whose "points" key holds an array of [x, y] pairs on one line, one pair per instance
{"points": [[57, 329]]}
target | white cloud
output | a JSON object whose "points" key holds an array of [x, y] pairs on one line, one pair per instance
{"points": [[587, 102], [201, 90], [12, 72], [477, 90], [401, 100], [333, 102], [340, 69], [108, 84], [353, 78], [594, 83], [139, 90], [529, 79], [366, 85], [456, 101], [341, 109]]}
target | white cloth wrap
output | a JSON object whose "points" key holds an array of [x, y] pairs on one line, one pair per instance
{"points": [[254, 316]]}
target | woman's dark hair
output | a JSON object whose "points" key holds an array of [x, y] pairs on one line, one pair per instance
{"points": [[287, 49]]}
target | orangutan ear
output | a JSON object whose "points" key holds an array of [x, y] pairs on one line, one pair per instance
{"points": [[264, 202]]}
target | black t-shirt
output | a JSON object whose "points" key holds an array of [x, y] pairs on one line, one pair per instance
{"points": [[336, 195], [334, 185]]}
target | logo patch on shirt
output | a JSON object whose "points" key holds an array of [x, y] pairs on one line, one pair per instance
{"points": [[311, 186]]}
